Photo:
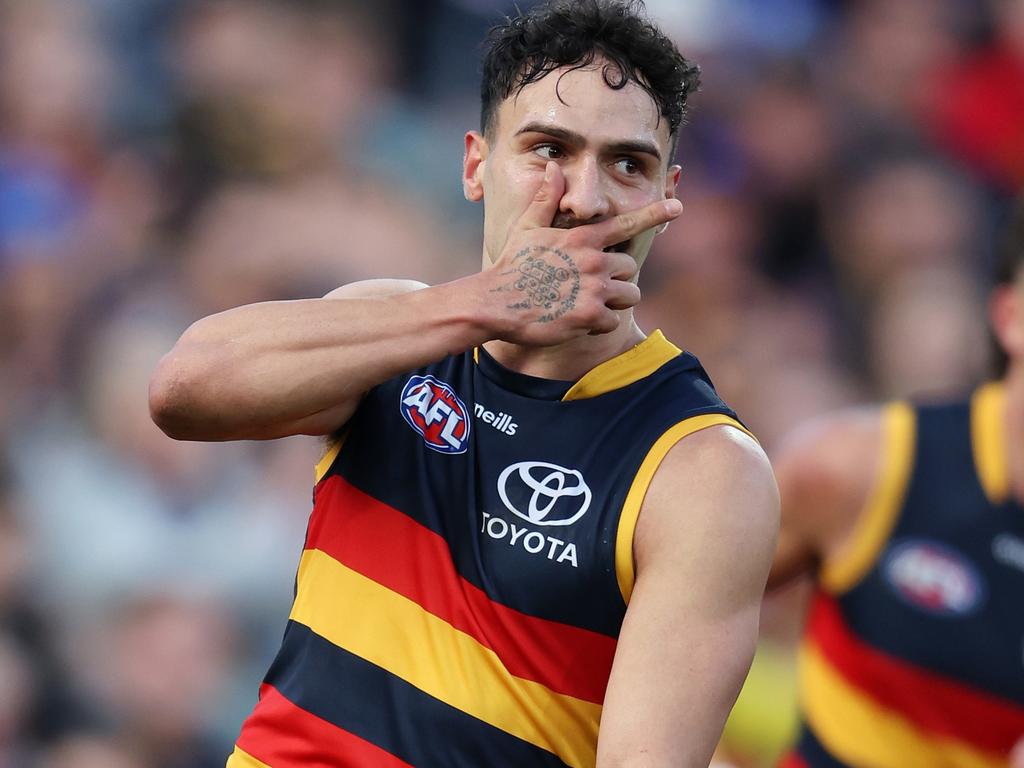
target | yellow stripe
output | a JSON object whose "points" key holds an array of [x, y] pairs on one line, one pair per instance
{"points": [[624, 569], [426, 651], [842, 572], [242, 759], [858, 731], [330, 454], [988, 438], [632, 365]]}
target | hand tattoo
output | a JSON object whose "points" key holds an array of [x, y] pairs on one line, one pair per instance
{"points": [[540, 284]]}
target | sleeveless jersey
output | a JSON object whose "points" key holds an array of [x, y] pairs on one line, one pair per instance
{"points": [[914, 648], [468, 564]]}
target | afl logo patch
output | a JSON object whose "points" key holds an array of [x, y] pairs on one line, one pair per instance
{"points": [[934, 578], [544, 494], [432, 408]]}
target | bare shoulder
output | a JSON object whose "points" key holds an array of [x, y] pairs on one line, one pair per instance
{"points": [[368, 289], [714, 489], [835, 454], [825, 470]]}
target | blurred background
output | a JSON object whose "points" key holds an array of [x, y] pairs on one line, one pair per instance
{"points": [[846, 168]]}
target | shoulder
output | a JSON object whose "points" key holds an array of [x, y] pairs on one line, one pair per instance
{"points": [[714, 489], [368, 289], [827, 471], [720, 449], [833, 457]]}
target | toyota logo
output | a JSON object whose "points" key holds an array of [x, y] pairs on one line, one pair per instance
{"points": [[550, 494]]}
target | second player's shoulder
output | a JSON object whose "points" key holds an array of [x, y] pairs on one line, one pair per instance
{"points": [[832, 458], [375, 288], [827, 470]]}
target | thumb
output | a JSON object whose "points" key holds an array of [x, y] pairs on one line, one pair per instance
{"points": [[541, 211]]}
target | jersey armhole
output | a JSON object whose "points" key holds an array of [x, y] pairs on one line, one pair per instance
{"points": [[876, 520], [331, 451], [625, 572]]}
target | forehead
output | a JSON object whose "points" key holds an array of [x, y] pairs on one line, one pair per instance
{"points": [[580, 100]]}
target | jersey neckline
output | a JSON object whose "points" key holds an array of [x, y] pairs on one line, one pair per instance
{"points": [[620, 371], [520, 383]]}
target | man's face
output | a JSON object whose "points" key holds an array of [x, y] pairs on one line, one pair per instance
{"points": [[610, 144]]}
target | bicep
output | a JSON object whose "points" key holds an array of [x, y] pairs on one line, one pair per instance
{"points": [[703, 546]]}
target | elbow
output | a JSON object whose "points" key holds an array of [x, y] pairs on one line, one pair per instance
{"points": [[170, 393]]}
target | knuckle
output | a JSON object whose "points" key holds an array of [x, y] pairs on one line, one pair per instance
{"points": [[590, 319], [595, 285], [589, 261], [606, 321], [627, 221], [574, 237], [626, 267]]}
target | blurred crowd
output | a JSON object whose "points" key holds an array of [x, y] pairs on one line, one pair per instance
{"points": [[846, 167]]}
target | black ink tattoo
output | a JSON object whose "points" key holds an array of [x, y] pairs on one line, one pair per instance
{"points": [[541, 284]]}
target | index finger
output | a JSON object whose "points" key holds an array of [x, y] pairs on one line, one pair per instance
{"points": [[627, 225]]}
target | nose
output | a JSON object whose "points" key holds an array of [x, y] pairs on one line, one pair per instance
{"points": [[585, 196]]}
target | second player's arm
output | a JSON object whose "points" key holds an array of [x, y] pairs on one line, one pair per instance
{"points": [[825, 471]]}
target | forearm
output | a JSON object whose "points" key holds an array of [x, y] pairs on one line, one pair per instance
{"points": [[280, 368], [277, 368]]}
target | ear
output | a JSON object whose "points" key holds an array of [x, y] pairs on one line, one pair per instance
{"points": [[1005, 313], [672, 177], [474, 160]]}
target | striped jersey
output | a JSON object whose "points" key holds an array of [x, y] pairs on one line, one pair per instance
{"points": [[468, 564], [914, 649]]}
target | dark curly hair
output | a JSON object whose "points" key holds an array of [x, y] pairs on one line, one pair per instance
{"points": [[572, 33]]}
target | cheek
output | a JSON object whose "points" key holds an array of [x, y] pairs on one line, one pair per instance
{"points": [[633, 198], [508, 192]]}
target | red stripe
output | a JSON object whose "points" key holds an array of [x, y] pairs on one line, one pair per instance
{"points": [[394, 550], [934, 703], [283, 735], [792, 760]]}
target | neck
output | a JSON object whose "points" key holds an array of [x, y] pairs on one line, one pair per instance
{"points": [[571, 360]]}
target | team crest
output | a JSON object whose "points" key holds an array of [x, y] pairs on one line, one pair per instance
{"points": [[934, 578], [432, 408]]}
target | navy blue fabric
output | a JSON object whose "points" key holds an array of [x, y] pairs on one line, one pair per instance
{"points": [[813, 753], [604, 438], [946, 508], [383, 709]]}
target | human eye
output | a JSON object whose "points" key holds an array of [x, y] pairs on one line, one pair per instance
{"points": [[549, 151], [629, 166]]}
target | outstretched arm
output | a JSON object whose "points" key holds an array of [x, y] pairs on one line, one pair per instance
{"points": [[300, 367], [703, 545]]}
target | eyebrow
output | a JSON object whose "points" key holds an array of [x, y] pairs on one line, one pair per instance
{"points": [[578, 139]]}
